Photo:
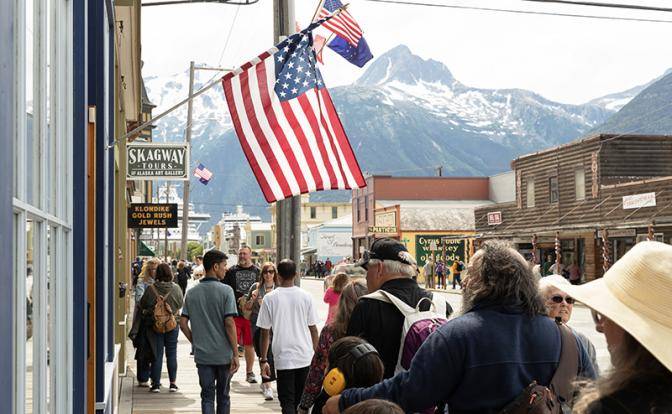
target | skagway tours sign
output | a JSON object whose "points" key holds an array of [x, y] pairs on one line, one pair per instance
{"points": [[152, 216], [150, 161]]}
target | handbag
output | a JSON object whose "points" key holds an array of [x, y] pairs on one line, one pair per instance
{"points": [[242, 303]]}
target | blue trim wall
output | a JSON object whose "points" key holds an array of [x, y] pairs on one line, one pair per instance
{"points": [[7, 133], [97, 65], [80, 111], [113, 290]]}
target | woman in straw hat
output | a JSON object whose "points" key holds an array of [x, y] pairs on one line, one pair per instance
{"points": [[632, 306]]}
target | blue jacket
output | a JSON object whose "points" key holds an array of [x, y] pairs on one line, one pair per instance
{"points": [[478, 362]]}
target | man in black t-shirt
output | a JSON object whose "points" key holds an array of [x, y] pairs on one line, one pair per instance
{"points": [[241, 277]]}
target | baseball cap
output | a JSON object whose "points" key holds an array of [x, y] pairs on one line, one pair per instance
{"points": [[386, 249]]}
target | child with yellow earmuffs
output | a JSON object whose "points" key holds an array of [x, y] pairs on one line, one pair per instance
{"points": [[353, 363]]}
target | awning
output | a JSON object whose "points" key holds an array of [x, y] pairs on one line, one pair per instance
{"points": [[308, 251], [144, 250]]}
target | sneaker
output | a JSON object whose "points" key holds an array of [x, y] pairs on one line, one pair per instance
{"points": [[250, 378], [143, 384], [268, 394], [262, 388], [173, 388], [155, 388]]}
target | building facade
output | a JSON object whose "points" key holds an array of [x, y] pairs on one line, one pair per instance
{"points": [[258, 239], [330, 240], [568, 197], [70, 91]]}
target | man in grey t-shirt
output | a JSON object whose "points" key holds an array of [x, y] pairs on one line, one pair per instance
{"points": [[210, 307]]}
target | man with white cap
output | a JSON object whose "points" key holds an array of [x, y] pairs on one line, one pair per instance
{"points": [[632, 305], [560, 306]]}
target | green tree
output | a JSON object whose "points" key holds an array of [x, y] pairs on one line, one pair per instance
{"points": [[194, 249]]}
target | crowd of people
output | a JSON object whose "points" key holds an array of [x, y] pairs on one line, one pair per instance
{"points": [[391, 346]]}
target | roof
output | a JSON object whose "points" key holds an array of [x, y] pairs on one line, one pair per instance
{"points": [[438, 217], [343, 221]]}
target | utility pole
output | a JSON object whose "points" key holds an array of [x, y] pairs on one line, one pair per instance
{"points": [[185, 195], [288, 211], [439, 170], [165, 230]]}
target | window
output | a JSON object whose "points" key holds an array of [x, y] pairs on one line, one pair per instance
{"points": [[313, 212], [580, 183], [334, 212], [366, 209], [259, 240], [530, 193], [359, 209], [553, 194]]}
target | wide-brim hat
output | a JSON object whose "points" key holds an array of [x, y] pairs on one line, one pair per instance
{"points": [[636, 294]]}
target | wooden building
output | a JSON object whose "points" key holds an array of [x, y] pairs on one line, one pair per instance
{"points": [[566, 196]]}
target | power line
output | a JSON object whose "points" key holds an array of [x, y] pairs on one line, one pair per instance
{"points": [[607, 5], [514, 11]]}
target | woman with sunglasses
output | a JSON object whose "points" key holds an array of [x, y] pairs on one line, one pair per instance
{"points": [[632, 306], [560, 305], [255, 297]]}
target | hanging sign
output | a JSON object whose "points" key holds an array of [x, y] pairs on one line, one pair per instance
{"points": [[152, 216], [494, 218], [639, 201], [157, 161]]}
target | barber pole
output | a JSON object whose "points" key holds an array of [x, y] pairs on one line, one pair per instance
{"points": [[535, 258], [606, 257], [558, 253]]}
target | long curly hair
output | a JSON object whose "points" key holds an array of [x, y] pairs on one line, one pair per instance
{"points": [[349, 297], [499, 274]]}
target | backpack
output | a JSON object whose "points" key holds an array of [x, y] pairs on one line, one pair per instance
{"points": [[557, 397], [164, 321], [418, 325]]}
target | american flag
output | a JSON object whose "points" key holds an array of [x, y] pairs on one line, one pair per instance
{"points": [[343, 24], [203, 174], [287, 124]]}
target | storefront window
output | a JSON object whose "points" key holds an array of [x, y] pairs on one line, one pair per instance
{"points": [[31, 312]]}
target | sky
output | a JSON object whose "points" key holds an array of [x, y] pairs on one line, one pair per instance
{"points": [[565, 59]]}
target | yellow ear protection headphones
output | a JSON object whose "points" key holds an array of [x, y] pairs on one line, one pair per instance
{"points": [[335, 382]]}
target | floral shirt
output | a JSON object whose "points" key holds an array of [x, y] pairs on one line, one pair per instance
{"points": [[317, 367]]}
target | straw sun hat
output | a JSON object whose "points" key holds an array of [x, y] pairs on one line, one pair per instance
{"points": [[636, 293]]}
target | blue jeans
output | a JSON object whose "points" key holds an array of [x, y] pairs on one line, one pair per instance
{"points": [[214, 378], [168, 341]]}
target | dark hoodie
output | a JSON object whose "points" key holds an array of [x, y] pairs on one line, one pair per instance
{"points": [[381, 323]]}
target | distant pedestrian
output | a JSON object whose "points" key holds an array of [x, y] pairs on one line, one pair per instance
{"points": [[428, 271], [456, 269], [333, 294], [327, 266], [330, 333], [440, 274], [255, 298], [241, 277], [197, 271], [209, 308], [182, 277], [172, 295], [290, 313]]}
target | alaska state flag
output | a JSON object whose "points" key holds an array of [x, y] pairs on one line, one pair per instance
{"points": [[358, 55]]}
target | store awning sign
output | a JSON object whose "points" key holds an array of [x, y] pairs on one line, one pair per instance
{"points": [[157, 161], [152, 216], [639, 201], [383, 230], [494, 218]]}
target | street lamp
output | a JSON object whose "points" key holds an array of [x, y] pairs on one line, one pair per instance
{"points": [[233, 2]]}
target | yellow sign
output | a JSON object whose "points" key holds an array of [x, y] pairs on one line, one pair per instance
{"points": [[383, 230]]}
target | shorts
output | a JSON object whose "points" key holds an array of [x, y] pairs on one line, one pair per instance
{"points": [[243, 330]]}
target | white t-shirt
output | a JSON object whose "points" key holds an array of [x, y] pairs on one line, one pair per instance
{"points": [[289, 311]]}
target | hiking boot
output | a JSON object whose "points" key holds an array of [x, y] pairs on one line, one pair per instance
{"points": [[250, 378]]}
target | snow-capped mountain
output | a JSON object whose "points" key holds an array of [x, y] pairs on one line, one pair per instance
{"points": [[616, 101], [404, 116]]}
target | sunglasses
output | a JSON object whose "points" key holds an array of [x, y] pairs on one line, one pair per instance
{"points": [[272, 272], [366, 258], [597, 317], [558, 299]]}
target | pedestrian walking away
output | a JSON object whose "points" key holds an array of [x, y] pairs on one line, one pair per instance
{"points": [[240, 278], [333, 294], [207, 322], [456, 270], [183, 276], [167, 294], [290, 313], [632, 306], [470, 364], [144, 350], [389, 268], [255, 298]]}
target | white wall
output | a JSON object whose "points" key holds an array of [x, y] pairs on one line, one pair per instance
{"points": [[502, 187]]}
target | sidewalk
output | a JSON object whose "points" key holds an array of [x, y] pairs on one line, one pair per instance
{"points": [[245, 398]]}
